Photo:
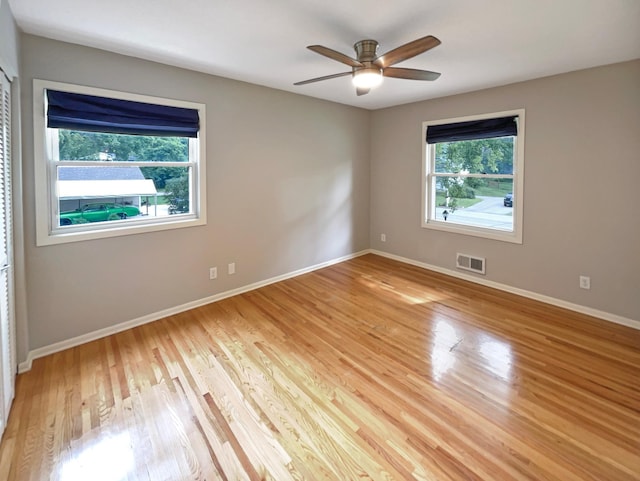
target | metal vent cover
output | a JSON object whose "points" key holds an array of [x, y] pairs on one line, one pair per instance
{"points": [[470, 263]]}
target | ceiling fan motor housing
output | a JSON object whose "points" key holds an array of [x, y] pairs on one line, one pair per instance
{"points": [[366, 53], [366, 50]]}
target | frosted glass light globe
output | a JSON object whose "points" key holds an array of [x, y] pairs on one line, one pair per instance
{"points": [[367, 78]]}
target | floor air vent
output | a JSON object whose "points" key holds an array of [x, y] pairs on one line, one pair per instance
{"points": [[470, 263]]}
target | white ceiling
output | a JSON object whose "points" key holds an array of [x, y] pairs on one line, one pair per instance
{"points": [[484, 43]]}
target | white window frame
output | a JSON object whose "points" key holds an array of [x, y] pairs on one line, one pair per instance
{"points": [[48, 232], [428, 194]]}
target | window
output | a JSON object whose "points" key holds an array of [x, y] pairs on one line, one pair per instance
{"points": [[473, 175], [111, 163]]}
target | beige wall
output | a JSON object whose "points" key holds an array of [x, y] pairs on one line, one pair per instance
{"points": [[294, 181], [288, 188], [9, 50], [581, 203]]}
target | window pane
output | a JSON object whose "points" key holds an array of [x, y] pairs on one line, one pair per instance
{"points": [[79, 145], [484, 203], [484, 156], [106, 193]]}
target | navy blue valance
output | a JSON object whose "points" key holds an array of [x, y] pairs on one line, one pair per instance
{"points": [[101, 114], [473, 129]]}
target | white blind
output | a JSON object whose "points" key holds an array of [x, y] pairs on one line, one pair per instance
{"points": [[7, 322]]}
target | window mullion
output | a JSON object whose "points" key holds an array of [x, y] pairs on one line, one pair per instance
{"points": [[120, 163], [475, 176]]}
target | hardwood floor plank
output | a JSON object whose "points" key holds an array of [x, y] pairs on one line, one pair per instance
{"points": [[366, 370]]}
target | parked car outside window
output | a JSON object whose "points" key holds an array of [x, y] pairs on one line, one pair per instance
{"points": [[98, 213], [508, 200]]}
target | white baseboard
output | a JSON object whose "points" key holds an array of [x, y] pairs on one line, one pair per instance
{"points": [[92, 336], [514, 290], [107, 331]]}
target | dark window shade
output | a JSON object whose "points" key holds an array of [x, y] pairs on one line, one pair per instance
{"points": [[115, 116], [474, 129]]}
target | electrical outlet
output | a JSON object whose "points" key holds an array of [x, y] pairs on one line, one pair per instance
{"points": [[232, 268], [585, 282], [213, 273], [383, 237]]}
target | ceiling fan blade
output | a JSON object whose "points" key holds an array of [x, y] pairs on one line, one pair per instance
{"points": [[360, 91], [326, 77], [410, 73], [406, 51], [334, 55]]}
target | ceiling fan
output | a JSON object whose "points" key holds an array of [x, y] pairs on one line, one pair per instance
{"points": [[368, 68]]}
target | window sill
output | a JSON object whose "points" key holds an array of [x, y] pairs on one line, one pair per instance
{"points": [[493, 234], [63, 236]]}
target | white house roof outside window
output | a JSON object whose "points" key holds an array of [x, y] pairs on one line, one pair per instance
{"points": [[97, 182]]}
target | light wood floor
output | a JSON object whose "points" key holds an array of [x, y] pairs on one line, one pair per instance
{"points": [[366, 370]]}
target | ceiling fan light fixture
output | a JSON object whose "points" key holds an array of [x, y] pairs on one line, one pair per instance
{"points": [[369, 68], [367, 78]]}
